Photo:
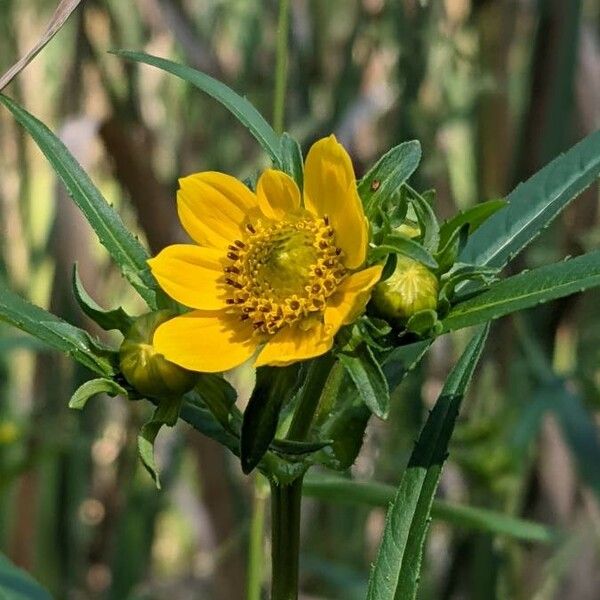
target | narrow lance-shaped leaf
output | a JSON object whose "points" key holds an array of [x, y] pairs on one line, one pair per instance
{"points": [[54, 332], [526, 290], [389, 173], [396, 572], [241, 108], [534, 204], [107, 319], [274, 385], [340, 489], [126, 251], [474, 216], [368, 377]]}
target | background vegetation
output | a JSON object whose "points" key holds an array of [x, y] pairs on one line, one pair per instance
{"points": [[493, 90]]}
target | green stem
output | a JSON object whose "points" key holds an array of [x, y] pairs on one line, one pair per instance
{"points": [[285, 519], [283, 26], [255, 550], [311, 394]]}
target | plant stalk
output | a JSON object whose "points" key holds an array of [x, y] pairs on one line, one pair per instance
{"points": [[281, 68], [255, 549], [285, 543]]}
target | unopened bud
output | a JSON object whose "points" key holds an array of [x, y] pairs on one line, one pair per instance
{"points": [[147, 371], [411, 288]]}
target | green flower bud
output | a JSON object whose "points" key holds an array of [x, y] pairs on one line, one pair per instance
{"points": [[147, 371], [411, 288]]}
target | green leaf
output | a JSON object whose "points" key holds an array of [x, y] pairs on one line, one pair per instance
{"points": [[427, 221], [107, 319], [195, 412], [343, 490], [291, 159], [127, 252], [274, 385], [17, 584], [423, 322], [296, 448], [166, 413], [389, 173], [526, 290], [534, 204], [91, 388], [368, 377], [396, 572], [55, 332], [396, 243], [449, 252], [219, 397], [241, 108], [474, 217], [398, 363]]}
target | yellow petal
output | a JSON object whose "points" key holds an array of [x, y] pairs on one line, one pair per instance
{"points": [[292, 344], [213, 207], [330, 189], [277, 194], [207, 341], [351, 297], [191, 275]]}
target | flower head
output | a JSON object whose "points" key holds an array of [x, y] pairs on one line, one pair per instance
{"points": [[271, 273]]}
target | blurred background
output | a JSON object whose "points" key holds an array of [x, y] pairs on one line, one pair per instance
{"points": [[493, 90]]}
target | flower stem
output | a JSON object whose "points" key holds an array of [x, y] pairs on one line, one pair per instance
{"points": [[285, 518], [255, 550], [281, 67]]}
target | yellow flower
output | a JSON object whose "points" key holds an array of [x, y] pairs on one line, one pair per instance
{"points": [[271, 274]]}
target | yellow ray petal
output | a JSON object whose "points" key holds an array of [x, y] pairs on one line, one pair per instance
{"points": [[292, 344], [330, 189], [207, 341], [277, 194], [192, 275], [351, 297], [213, 207]]}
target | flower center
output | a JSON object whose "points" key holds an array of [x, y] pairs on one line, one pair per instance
{"points": [[281, 273]]}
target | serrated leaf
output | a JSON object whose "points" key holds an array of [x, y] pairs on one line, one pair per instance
{"points": [[17, 584], [533, 205], [91, 388], [55, 332], [126, 251], [107, 319], [395, 574], [291, 159], [274, 385], [389, 173], [368, 377], [526, 290], [241, 108], [474, 217], [399, 244]]}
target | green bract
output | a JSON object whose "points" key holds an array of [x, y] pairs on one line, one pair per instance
{"points": [[148, 372]]}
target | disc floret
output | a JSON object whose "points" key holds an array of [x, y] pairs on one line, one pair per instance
{"points": [[283, 272]]}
